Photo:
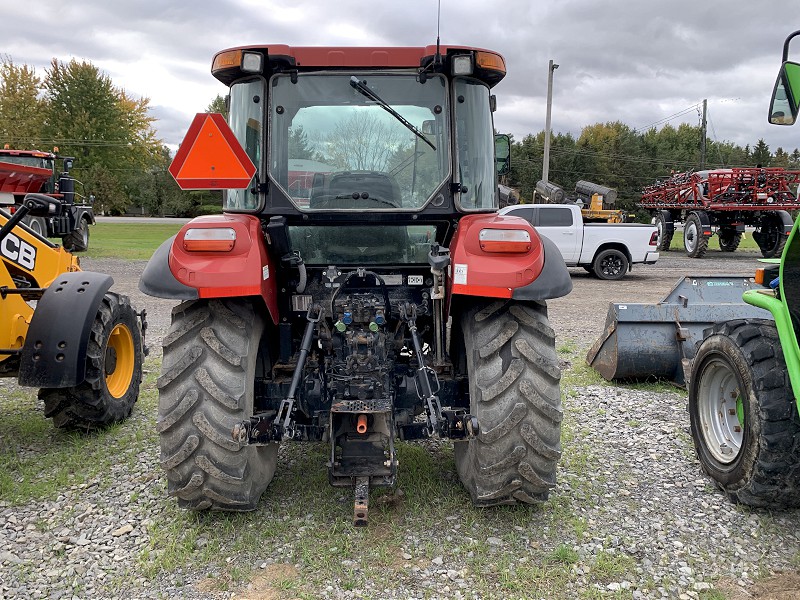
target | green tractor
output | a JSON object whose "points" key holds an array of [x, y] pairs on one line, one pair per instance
{"points": [[744, 389]]}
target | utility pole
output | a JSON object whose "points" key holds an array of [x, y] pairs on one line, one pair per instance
{"points": [[546, 166], [703, 137]]}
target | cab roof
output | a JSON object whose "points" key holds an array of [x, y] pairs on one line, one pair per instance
{"points": [[281, 56]]}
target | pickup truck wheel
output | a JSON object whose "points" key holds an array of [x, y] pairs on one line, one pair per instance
{"points": [[113, 372], [729, 240], [78, 239], [610, 264], [694, 241], [664, 233], [206, 388], [514, 393], [743, 418]]}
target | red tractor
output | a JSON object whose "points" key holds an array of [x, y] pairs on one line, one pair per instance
{"points": [[360, 287]]}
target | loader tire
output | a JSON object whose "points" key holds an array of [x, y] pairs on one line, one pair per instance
{"points": [[205, 389], [743, 417], [114, 358], [694, 241], [729, 240], [514, 393], [78, 239]]}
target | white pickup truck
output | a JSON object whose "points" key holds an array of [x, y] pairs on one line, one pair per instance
{"points": [[606, 249]]}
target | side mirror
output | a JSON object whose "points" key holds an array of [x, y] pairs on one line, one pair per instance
{"points": [[67, 165], [41, 205], [502, 153], [786, 95]]}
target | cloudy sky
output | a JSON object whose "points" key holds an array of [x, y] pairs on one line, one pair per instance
{"points": [[634, 61]]}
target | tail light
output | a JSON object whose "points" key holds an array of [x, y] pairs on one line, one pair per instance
{"points": [[516, 241], [654, 239], [209, 239]]}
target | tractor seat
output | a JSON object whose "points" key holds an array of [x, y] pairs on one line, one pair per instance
{"points": [[361, 190]]}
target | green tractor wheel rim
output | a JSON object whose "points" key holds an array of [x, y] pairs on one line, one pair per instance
{"points": [[721, 411]]}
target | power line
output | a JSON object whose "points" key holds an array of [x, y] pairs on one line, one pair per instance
{"points": [[669, 118]]}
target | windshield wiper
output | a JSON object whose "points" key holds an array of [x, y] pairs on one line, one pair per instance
{"points": [[362, 88]]}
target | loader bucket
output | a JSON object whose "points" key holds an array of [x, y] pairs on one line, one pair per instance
{"points": [[658, 341]]}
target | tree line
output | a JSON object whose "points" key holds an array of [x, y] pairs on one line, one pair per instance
{"points": [[119, 158], [617, 156], [76, 110]]}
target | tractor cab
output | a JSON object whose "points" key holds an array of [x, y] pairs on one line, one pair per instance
{"points": [[347, 137]]}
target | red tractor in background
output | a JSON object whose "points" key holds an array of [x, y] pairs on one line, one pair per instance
{"points": [[31, 171], [359, 286], [728, 199]]}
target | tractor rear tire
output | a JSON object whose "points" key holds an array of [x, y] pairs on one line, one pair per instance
{"points": [[78, 239], [694, 241], [729, 240], [113, 372], [664, 235], [514, 393], [205, 389], [743, 417]]}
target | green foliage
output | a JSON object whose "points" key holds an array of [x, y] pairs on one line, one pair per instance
{"points": [[20, 105], [218, 106], [761, 155], [77, 109]]}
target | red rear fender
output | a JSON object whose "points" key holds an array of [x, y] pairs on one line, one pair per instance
{"points": [[225, 256], [481, 269]]}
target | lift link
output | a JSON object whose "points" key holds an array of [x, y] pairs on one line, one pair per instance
{"points": [[284, 420], [422, 378], [262, 429]]}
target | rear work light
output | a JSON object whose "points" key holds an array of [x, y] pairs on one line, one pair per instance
{"points": [[252, 62], [516, 241], [209, 240], [462, 65]]}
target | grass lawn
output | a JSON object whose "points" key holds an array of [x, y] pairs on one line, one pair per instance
{"points": [[128, 240], [747, 244]]}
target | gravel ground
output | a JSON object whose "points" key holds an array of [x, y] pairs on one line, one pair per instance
{"points": [[628, 473]]}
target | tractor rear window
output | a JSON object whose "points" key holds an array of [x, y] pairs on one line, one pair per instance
{"points": [[365, 142], [363, 244]]}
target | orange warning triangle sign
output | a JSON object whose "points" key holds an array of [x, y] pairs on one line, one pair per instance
{"points": [[210, 157]]}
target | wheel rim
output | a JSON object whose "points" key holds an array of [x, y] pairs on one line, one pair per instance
{"points": [[721, 411], [690, 237], [612, 266], [120, 361]]}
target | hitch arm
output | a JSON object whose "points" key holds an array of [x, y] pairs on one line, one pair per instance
{"points": [[283, 420], [425, 390]]}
